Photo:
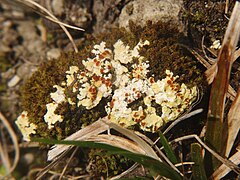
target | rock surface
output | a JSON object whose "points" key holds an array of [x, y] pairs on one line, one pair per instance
{"points": [[140, 12]]}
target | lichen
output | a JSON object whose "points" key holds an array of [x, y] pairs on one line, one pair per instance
{"points": [[25, 126], [139, 78]]}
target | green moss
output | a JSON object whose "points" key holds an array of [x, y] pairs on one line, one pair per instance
{"points": [[163, 53], [4, 63], [102, 164], [4, 66], [206, 18]]}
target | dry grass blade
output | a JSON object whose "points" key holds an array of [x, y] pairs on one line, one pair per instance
{"points": [[236, 54], [158, 150], [226, 6], [210, 75], [33, 171], [216, 132], [223, 170], [212, 70], [125, 172], [231, 93], [228, 163], [117, 142], [83, 134], [14, 140], [51, 17], [233, 123], [68, 162], [131, 135], [4, 151], [47, 168], [149, 151]]}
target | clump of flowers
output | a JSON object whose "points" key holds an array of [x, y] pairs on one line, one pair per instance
{"points": [[120, 76]]}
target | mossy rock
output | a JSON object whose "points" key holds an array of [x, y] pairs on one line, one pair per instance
{"points": [[164, 52]]}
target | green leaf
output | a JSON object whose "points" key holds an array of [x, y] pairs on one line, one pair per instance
{"points": [[198, 167], [168, 150], [155, 166]]}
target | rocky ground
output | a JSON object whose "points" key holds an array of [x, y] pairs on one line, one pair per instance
{"points": [[27, 39]]}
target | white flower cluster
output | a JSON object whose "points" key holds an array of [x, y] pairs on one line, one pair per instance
{"points": [[108, 75]]}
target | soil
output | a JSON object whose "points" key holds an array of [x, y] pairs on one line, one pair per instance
{"points": [[28, 40]]}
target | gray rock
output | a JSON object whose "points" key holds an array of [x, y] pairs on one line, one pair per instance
{"points": [[27, 30], [53, 53], [25, 70], [36, 46], [140, 12], [13, 81], [58, 7]]}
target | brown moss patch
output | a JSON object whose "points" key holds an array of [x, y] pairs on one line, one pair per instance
{"points": [[206, 18], [164, 52]]}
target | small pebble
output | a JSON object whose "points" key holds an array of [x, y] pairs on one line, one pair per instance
{"points": [[28, 158], [14, 81], [53, 53]]}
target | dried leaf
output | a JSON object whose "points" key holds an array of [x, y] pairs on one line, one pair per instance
{"points": [[118, 142], [131, 135], [233, 123], [223, 170], [83, 134], [4, 154], [215, 135]]}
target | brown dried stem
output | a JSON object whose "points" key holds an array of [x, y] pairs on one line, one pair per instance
{"points": [[216, 133], [15, 144]]}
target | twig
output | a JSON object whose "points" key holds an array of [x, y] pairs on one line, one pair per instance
{"points": [[186, 116], [226, 6], [68, 162], [14, 140], [210, 60], [46, 169], [228, 163], [53, 18], [223, 170], [35, 170], [162, 155], [184, 163], [4, 152], [134, 166]]}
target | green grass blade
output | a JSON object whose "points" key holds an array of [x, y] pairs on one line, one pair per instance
{"points": [[168, 150], [156, 167], [198, 167]]}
